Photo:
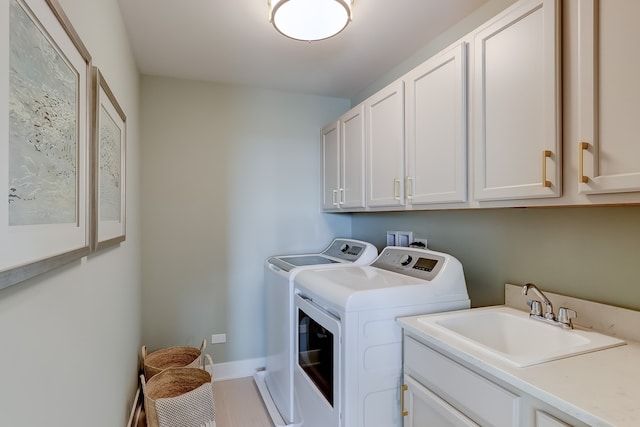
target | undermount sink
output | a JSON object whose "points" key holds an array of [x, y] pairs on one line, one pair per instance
{"points": [[512, 336]]}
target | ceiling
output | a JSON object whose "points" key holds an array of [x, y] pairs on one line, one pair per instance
{"points": [[232, 42]]}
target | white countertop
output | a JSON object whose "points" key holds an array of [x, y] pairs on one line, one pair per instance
{"points": [[601, 388]]}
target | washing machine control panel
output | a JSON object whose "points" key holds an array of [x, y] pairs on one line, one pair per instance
{"points": [[346, 249], [420, 263]]}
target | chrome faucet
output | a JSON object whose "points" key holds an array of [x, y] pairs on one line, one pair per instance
{"points": [[548, 307], [564, 314]]}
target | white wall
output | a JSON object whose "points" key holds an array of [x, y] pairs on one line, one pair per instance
{"points": [[230, 175], [69, 339]]}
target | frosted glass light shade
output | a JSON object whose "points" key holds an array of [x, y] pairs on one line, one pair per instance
{"points": [[310, 20]]}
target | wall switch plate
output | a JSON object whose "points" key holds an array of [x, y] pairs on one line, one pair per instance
{"points": [[399, 238], [404, 238], [218, 338], [391, 238]]}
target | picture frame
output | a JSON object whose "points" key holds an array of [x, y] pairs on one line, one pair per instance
{"points": [[108, 166], [44, 162]]}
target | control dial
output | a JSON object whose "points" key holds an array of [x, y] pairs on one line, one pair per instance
{"points": [[405, 259], [344, 248]]}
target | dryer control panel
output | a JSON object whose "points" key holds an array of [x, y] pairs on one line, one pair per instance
{"points": [[421, 263]]}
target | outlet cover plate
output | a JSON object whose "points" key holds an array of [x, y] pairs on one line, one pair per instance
{"points": [[218, 338]]}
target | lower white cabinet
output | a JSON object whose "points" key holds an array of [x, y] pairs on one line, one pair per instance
{"points": [[439, 391], [422, 407], [478, 398], [545, 420]]}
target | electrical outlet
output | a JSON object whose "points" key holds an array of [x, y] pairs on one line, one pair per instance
{"points": [[218, 338], [419, 240]]}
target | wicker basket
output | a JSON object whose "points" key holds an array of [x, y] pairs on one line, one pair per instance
{"points": [[171, 357], [179, 396]]}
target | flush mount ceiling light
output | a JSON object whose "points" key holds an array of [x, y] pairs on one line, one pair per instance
{"points": [[310, 20]]}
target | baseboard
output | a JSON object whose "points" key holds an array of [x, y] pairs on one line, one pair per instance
{"points": [[259, 378], [236, 369]]}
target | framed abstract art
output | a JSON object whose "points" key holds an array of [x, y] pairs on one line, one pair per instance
{"points": [[44, 161], [108, 166]]}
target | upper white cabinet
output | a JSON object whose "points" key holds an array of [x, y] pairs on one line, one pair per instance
{"points": [[436, 131], [491, 121], [608, 144], [516, 116], [343, 150], [384, 118], [353, 161], [330, 165]]}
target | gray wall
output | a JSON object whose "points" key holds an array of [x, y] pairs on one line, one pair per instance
{"points": [[585, 252], [230, 175], [70, 339]]}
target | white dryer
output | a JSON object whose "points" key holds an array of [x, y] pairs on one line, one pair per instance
{"points": [[348, 369], [275, 383]]}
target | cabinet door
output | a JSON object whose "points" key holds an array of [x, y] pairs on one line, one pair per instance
{"points": [[330, 166], [436, 143], [609, 148], [545, 420], [351, 191], [424, 408], [516, 107], [384, 113]]}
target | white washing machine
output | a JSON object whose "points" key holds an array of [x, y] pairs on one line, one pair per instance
{"points": [[348, 370], [275, 383]]}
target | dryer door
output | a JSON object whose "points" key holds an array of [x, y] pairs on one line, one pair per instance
{"points": [[317, 372]]}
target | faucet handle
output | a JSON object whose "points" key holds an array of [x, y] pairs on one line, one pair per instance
{"points": [[565, 315], [536, 307]]}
